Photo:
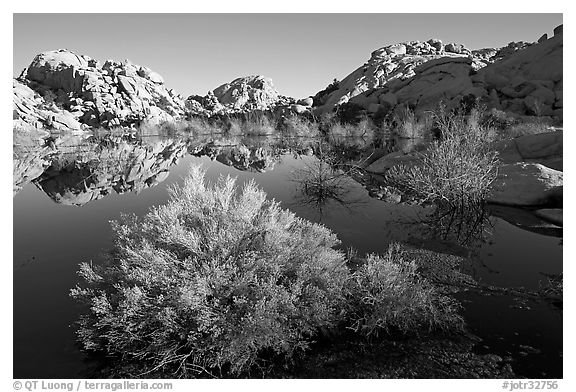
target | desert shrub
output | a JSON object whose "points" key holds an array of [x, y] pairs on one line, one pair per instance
{"points": [[363, 129], [409, 125], [457, 169], [219, 277], [300, 126], [168, 128], [202, 126], [232, 126], [537, 125], [388, 295], [257, 124], [498, 119]]}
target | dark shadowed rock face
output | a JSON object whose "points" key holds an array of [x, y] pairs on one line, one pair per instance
{"points": [[30, 110], [530, 81], [82, 91]]}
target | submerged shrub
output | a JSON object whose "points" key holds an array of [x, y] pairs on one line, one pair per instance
{"points": [[388, 294], [219, 277], [457, 169]]}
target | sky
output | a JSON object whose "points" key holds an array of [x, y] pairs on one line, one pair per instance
{"points": [[302, 53]]}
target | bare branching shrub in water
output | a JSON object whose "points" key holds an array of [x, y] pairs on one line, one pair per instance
{"points": [[387, 294], [456, 169], [217, 278]]}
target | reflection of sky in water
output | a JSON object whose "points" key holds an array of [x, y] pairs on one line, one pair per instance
{"points": [[50, 240]]}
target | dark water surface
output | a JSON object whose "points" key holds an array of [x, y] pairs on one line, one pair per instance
{"points": [[51, 238]]}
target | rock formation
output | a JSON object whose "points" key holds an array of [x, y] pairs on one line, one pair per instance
{"points": [[31, 111], [399, 62], [526, 184], [79, 91], [521, 78], [242, 95], [61, 90], [529, 81]]}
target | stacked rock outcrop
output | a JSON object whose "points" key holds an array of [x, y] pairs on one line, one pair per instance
{"points": [[242, 95], [528, 80], [399, 62], [79, 90]]}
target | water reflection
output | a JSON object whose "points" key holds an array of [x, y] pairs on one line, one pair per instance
{"points": [[31, 155], [448, 229], [318, 185], [87, 170], [465, 225], [241, 157], [76, 170]]}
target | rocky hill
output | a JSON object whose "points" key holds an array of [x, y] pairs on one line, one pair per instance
{"points": [[399, 62], [61, 89], [242, 95], [527, 81]]}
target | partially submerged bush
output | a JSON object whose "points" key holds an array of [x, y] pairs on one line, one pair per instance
{"points": [[457, 169], [216, 278], [387, 294]]}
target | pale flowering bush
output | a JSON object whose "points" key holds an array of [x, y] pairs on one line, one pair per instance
{"points": [[216, 278]]}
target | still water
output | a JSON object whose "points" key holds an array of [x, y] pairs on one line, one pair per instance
{"points": [[66, 195]]}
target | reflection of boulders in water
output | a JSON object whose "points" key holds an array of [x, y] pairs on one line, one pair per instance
{"points": [[239, 156], [86, 171], [31, 156], [543, 221]]}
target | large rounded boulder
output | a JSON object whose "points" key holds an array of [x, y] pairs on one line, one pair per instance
{"points": [[58, 69]]}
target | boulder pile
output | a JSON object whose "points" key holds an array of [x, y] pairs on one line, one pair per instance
{"points": [[524, 79], [242, 95], [393, 64], [61, 89]]}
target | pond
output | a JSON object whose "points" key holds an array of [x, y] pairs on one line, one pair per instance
{"points": [[69, 188]]}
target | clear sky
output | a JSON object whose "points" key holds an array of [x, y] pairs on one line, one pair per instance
{"points": [[302, 53]]}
